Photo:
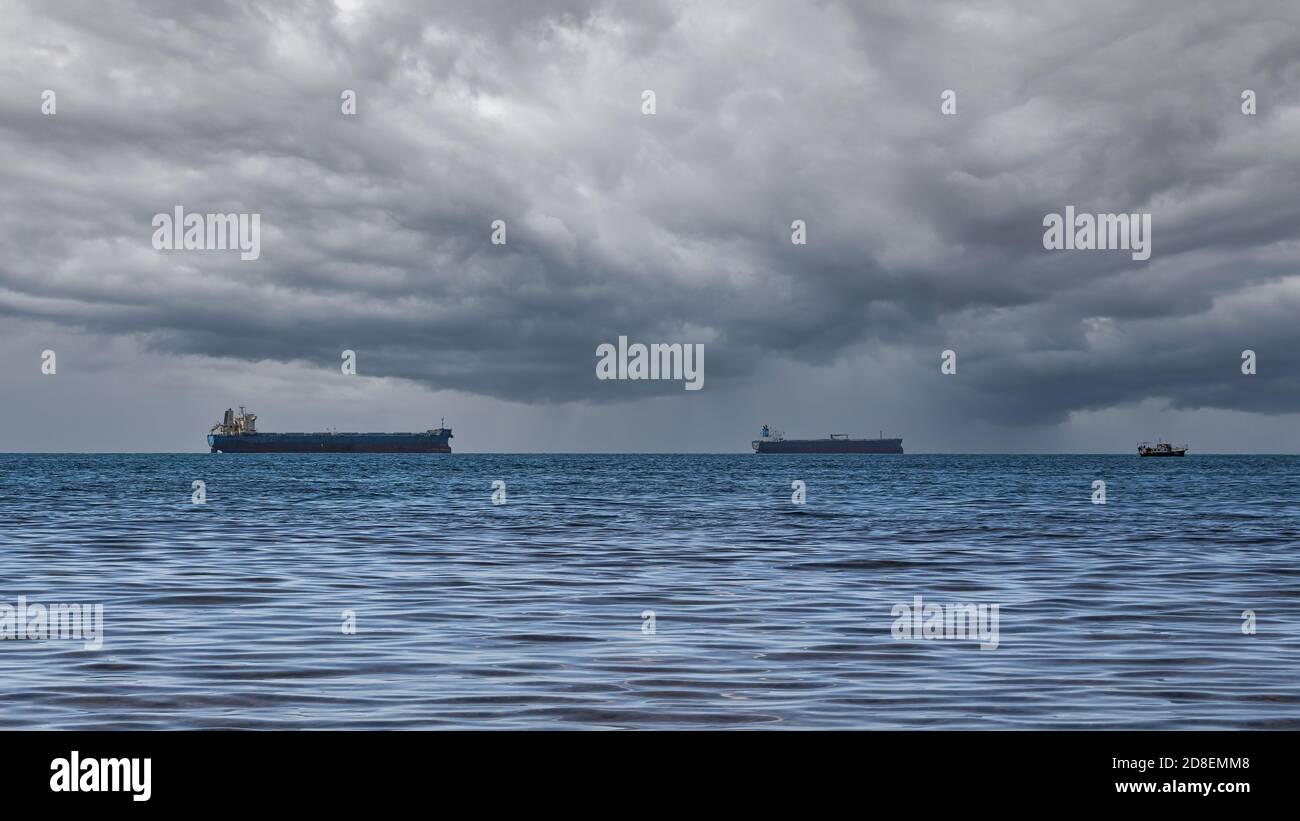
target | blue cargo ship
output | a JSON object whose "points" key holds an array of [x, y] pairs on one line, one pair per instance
{"points": [[237, 433], [773, 441]]}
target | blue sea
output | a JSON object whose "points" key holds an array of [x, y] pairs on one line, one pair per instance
{"points": [[652, 591]]}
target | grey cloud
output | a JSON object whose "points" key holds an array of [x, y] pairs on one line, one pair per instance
{"points": [[924, 231]]}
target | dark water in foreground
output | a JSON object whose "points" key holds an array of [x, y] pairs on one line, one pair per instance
{"points": [[766, 614]]}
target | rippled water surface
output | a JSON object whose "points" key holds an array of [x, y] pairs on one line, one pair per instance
{"points": [[766, 613]]}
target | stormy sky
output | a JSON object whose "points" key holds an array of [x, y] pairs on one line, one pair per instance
{"points": [[924, 230]]}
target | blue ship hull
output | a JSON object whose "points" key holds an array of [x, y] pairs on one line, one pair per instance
{"points": [[828, 446], [430, 442]]}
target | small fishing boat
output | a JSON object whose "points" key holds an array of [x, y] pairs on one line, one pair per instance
{"points": [[1160, 449]]}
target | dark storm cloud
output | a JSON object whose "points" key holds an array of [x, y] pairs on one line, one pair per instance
{"points": [[924, 230]]}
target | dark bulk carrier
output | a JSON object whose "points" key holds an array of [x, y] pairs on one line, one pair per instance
{"points": [[238, 433], [773, 441]]}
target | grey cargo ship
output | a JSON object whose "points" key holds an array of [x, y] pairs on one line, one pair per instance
{"points": [[773, 441], [237, 433]]}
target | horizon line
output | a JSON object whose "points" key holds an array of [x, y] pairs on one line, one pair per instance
{"points": [[618, 453]]}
